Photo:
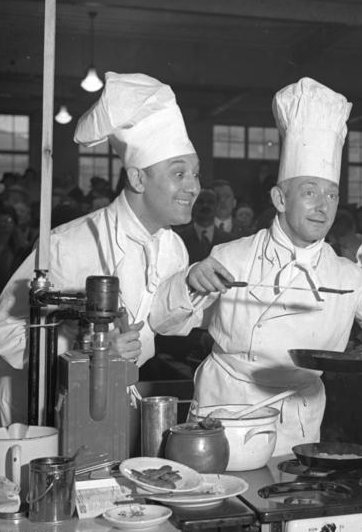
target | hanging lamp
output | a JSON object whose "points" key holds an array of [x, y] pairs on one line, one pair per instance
{"points": [[63, 116], [92, 83]]}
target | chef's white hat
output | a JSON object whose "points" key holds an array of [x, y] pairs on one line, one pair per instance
{"points": [[140, 117], [311, 119]]}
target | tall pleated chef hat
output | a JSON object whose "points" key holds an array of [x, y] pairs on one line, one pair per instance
{"points": [[311, 119], [141, 119]]}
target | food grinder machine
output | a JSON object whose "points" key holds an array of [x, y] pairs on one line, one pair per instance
{"points": [[87, 389]]}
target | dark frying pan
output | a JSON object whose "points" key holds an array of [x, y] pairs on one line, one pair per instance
{"points": [[329, 455], [347, 362]]}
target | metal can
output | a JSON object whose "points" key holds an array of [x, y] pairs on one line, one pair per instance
{"points": [[52, 489], [158, 414]]}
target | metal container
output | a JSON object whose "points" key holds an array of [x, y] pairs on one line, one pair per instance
{"points": [[158, 414], [52, 489], [206, 450]]}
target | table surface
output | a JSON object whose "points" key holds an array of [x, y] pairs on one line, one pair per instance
{"points": [[73, 525]]}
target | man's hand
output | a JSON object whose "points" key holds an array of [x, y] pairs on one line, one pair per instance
{"points": [[206, 276], [127, 344]]}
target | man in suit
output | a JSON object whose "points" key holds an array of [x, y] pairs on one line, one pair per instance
{"points": [[226, 203], [202, 234]]}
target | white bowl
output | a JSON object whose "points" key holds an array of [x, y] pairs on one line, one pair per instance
{"points": [[251, 439], [136, 516]]}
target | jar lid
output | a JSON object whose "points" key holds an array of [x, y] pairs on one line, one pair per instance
{"points": [[194, 428]]}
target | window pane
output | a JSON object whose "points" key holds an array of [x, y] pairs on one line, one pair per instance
{"points": [[237, 151], [229, 142], [355, 147], [221, 149], [14, 133], [10, 162], [89, 167], [21, 133], [95, 150], [355, 184], [263, 143]]}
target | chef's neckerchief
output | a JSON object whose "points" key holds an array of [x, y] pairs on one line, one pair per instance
{"points": [[288, 261], [136, 232]]}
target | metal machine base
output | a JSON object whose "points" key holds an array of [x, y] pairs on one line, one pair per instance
{"points": [[109, 436]]}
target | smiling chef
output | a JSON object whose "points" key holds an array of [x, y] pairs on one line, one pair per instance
{"points": [[131, 238], [254, 327]]}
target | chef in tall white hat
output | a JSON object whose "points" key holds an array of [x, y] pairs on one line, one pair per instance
{"points": [[254, 327], [131, 238]]}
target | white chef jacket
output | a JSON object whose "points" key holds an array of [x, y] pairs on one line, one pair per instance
{"points": [[109, 241], [253, 328]]}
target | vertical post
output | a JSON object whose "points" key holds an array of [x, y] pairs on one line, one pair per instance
{"points": [[47, 136], [42, 257]]}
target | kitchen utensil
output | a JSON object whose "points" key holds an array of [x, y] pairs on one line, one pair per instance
{"points": [[213, 490], [190, 479], [344, 362], [330, 455], [242, 284], [251, 439], [52, 489], [135, 516], [253, 408], [158, 414], [204, 449]]}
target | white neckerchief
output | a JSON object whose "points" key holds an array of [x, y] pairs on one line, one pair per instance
{"points": [[137, 232], [301, 259]]}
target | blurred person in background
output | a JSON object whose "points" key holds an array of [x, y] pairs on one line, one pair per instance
{"points": [[226, 203], [243, 219], [11, 251], [343, 235], [202, 234]]}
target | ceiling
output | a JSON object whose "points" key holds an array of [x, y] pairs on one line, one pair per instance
{"points": [[224, 58]]}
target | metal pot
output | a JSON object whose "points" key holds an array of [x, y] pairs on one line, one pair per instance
{"points": [[251, 439], [205, 450]]}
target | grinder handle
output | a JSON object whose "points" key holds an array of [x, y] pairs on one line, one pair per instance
{"points": [[123, 320]]}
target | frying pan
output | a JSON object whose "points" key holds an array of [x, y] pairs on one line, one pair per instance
{"points": [[316, 455], [343, 362]]}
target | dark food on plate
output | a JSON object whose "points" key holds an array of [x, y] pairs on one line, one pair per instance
{"points": [[163, 477]]}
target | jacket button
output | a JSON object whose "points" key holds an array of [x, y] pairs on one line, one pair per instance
{"points": [[259, 325]]}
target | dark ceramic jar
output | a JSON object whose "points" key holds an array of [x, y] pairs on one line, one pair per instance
{"points": [[205, 450]]}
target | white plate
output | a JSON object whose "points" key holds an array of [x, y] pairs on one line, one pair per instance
{"points": [[213, 490], [190, 479], [137, 516]]}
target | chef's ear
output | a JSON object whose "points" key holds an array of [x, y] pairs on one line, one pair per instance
{"points": [[135, 178], [278, 198]]}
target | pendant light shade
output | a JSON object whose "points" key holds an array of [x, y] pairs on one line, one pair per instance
{"points": [[63, 116], [91, 82]]}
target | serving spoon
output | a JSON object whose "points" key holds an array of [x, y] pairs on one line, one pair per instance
{"points": [[253, 408]]}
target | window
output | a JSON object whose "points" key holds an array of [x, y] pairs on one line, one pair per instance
{"points": [[355, 167], [263, 143], [238, 142], [14, 143], [101, 161], [229, 142]]}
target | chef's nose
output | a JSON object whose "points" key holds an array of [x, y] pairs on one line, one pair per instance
{"points": [[322, 202], [192, 183]]}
